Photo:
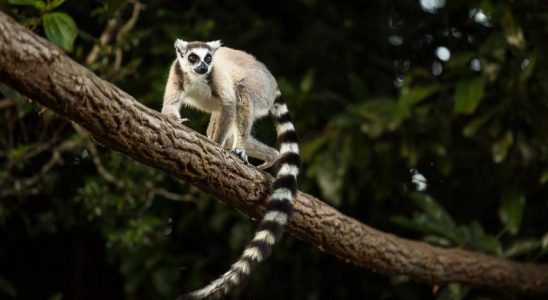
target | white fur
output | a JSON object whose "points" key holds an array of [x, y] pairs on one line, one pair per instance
{"points": [[197, 89], [214, 45], [284, 127], [181, 45], [282, 109], [232, 276], [201, 52], [242, 266], [276, 216], [265, 236], [289, 147], [282, 193], [253, 253], [288, 169]]}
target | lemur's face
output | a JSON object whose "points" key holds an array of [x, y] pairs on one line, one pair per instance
{"points": [[196, 57]]}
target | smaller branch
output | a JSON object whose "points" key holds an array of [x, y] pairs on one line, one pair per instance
{"points": [[5, 103], [118, 53], [154, 191], [27, 183], [107, 34], [137, 8], [188, 197], [109, 177], [115, 31], [101, 168], [38, 148]]}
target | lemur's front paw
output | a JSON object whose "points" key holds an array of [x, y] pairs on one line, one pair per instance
{"points": [[241, 154], [175, 116]]}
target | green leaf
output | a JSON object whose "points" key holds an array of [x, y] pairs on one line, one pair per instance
{"points": [[313, 146], [473, 126], [544, 242], [522, 247], [61, 29], [376, 110], [307, 81], [445, 164], [53, 4], [487, 244], [512, 30], [490, 69], [528, 70], [435, 212], [487, 7], [332, 170], [416, 95], [405, 222], [453, 291], [161, 282], [434, 220], [408, 98], [57, 296], [461, 60], [357, 86], [18, 152], [500, 147], [468, 95], [511, 209], [134, 281], [437, 240], [379, 114], [25, 2]]}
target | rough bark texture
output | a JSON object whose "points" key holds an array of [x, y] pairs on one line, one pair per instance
{"points": [[41, 71]]}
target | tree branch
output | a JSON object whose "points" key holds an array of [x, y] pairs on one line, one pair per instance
{"points": [[41, 71]]}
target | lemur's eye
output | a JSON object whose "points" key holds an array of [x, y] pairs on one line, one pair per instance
{"points": [[192, 58], [208, 58]]}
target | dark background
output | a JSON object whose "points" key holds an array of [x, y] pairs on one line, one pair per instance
{"points": [[377, 103]]}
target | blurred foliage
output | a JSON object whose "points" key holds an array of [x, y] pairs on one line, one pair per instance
{"points": [[59, 27], [426, 119]]}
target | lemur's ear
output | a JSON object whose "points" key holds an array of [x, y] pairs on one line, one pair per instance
{"points": [[214, 45], [181, 45]]}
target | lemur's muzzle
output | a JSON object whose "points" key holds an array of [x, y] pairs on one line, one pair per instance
{"points": [[201, 69]]}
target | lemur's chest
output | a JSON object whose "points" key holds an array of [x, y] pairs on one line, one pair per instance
{"points": [[199, 94]]}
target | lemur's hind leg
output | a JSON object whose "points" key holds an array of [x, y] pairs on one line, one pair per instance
{"points": [[252, 147]]}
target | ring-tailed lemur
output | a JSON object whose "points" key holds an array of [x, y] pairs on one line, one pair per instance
{"points": [[236, 90]]}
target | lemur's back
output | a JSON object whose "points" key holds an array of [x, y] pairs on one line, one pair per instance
{"points": [[250, 74]]}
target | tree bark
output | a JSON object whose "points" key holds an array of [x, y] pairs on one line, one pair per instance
{"points": [[43, 72]]}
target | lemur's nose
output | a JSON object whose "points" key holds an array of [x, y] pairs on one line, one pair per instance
{"points": [[202, 69]]}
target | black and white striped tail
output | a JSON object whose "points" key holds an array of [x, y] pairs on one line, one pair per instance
{"points": [[278, 209]]}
